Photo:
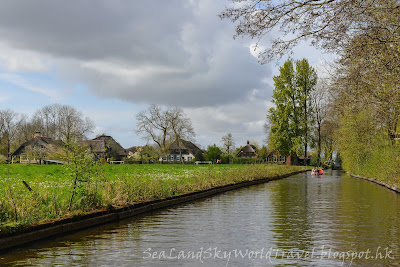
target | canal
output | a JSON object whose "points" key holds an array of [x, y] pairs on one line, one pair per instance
{"points": [[303, 220]]}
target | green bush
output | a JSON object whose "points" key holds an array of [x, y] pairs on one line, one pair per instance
{"points": [[366, 148], [3, 159]]}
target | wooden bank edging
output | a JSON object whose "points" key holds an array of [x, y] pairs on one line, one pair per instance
{"points": [[388, 186], [68, 225]]}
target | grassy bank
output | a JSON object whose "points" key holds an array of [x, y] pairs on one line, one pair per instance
{"points": [[109, 186]]}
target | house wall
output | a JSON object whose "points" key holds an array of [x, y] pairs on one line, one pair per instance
{"points": [[288, 160], [278, 159], [176, 157]]}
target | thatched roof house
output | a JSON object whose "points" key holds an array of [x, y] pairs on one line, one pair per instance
{"points": [[133, 152], [104, 146], [97, 147], [186, 148], [248, 151], [38, 148]]}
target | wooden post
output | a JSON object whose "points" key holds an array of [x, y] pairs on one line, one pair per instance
{"points": [[27, 186]]}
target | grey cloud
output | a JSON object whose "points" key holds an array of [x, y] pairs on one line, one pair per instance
{"points": [[163, 52], [92, 29]]}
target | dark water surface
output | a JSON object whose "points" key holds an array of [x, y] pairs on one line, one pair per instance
{"points": [[333, 220]]}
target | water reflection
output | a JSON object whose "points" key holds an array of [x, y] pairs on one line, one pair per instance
{"points": [[256, 226]]}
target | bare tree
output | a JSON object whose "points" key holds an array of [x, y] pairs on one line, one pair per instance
{"points": [[228, 144], [164, 126], [329, 24], [154, 125], [181, 128], [320, 102], [26, 130], [72, 125], [11, 122], [62, 122], [47, 120]]}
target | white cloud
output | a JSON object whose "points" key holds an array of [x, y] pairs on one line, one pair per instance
{"points": [[53, 93], [19, 60], [129, 74], [255, 49]]}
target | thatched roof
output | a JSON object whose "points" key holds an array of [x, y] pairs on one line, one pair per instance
{"points": [[248, 151], [42, 142], [96, 146], [184, 145], [112, 144], [133, 149]]}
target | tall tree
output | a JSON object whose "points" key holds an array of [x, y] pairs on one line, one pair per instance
{"points": [[62, 122], [325, 120], [10, 122], [306, 80], [154, 125], [164, 126], [228, 143], [291, 116], [72, 125], [284, 118], [181, 128]]}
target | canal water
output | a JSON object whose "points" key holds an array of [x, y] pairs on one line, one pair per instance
{"points": [[303, 220]]}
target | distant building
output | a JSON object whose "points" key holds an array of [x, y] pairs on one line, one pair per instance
{"points": [[38, 149], [185, 148], [104, 146], [97, 147], [248, 151], [275, 157], [133, 152]]}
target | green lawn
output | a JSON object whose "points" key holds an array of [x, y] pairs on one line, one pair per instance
{"points": [[110, 185]]}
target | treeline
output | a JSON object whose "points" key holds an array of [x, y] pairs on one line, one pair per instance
{"points": [[226, 154], [302, 119], [367, 90], [364, 84], [57, 121]]}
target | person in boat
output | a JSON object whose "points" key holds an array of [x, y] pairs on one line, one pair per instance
{"points": [[314, 170]]}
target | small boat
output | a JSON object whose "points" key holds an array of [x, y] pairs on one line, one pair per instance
{"points": [[317, 171]]}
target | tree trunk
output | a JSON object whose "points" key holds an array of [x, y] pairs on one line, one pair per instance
{"points": [[319, 145], [305, 133]]}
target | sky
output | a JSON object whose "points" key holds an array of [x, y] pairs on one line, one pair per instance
{"points": [[112, 59]]}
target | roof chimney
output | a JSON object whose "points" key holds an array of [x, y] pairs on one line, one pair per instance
{"points": [[37, 134]]}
